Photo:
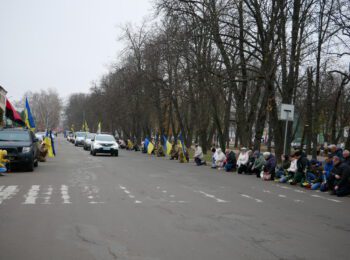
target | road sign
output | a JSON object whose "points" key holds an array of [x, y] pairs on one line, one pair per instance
{"points": [[287, 112]]}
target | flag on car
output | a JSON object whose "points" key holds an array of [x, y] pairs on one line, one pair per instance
{"points": [[29, 117], [12, 114]]}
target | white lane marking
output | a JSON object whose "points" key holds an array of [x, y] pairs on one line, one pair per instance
{"points": [[338, 201], [285, 187], [213, 197], [96, 202], [324, 198], [172, 196], [130, 195], [48, 194], [266, 191], [250, 197], [32, 195], [282, 196], [298, 201], [164, 191], [299, 191], [65, 194], [8, 193], [92, 194]]}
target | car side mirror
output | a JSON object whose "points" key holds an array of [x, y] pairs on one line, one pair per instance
{"points": [[92, 140], [36, 140]]}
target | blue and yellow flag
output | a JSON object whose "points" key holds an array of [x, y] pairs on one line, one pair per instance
{"points": [[29, 117], [167, 145], [150, 148]]}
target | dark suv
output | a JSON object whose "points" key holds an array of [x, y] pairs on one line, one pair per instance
{"points": [[21, 146]]}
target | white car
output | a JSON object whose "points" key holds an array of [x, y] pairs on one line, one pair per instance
{"points": [[79, 138], [103, 143], [87, 141]]}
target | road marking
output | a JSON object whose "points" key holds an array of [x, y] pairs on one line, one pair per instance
{"points": [[48, 193], [250, 197], [282, 196], [298, 201], [299, 191], [212, 197], [324, 198], [92, 194], [65, 194], [32, 195], [266, 191], [130, 195], [8, 192]]}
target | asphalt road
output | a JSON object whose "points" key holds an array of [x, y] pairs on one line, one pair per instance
{"points": [[134, 206]]}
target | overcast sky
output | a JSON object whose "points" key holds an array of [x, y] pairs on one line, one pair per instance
{"points": [[62, 44]]}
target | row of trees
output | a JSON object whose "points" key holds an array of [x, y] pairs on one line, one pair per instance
{"points": [[209, 65]]}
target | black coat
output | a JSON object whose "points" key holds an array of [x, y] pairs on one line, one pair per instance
{"points": [[343, 170]]}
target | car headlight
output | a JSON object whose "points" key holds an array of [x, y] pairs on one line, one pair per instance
{"points": [[26, 149], [115, 146], [97, 145]]}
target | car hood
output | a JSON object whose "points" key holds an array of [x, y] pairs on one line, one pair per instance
{"points": [[15, 144], [106, 142]]}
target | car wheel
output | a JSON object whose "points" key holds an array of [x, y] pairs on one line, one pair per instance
{"points": [[75, 144], [94, 153], [116, 153], [30, 167], [36, 163]]}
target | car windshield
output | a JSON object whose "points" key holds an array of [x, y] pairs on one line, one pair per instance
{"points": [[14, 136], [90, 136], [80, 134], [108, 138]]}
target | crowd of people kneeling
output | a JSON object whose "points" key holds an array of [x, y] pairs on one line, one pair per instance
{"points": [[332, 175]]}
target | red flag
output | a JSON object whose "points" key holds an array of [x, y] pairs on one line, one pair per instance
{"points": [[13, 114]]}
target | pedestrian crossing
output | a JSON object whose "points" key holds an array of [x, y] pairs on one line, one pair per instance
{"points": [[48, 194], [90, 194]]}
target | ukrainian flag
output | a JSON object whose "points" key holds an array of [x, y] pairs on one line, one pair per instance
{"points": [[150, 148], [29, 117], [167, 145], [48, 143]]}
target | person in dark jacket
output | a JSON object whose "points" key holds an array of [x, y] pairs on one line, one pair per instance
{"points": [[282, 171], [302, 163], [269, 169], [346, 157], [342, 178], [335, 151], [230, 160]]}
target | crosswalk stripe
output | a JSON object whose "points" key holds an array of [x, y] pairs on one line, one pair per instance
{"points": [[8, 193], [65, 194], [32, 195]]}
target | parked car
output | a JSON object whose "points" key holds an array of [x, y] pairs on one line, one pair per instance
{"points": [[21, 146], [79, 138], [87, 141], [69, 136], [103, 143]]}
